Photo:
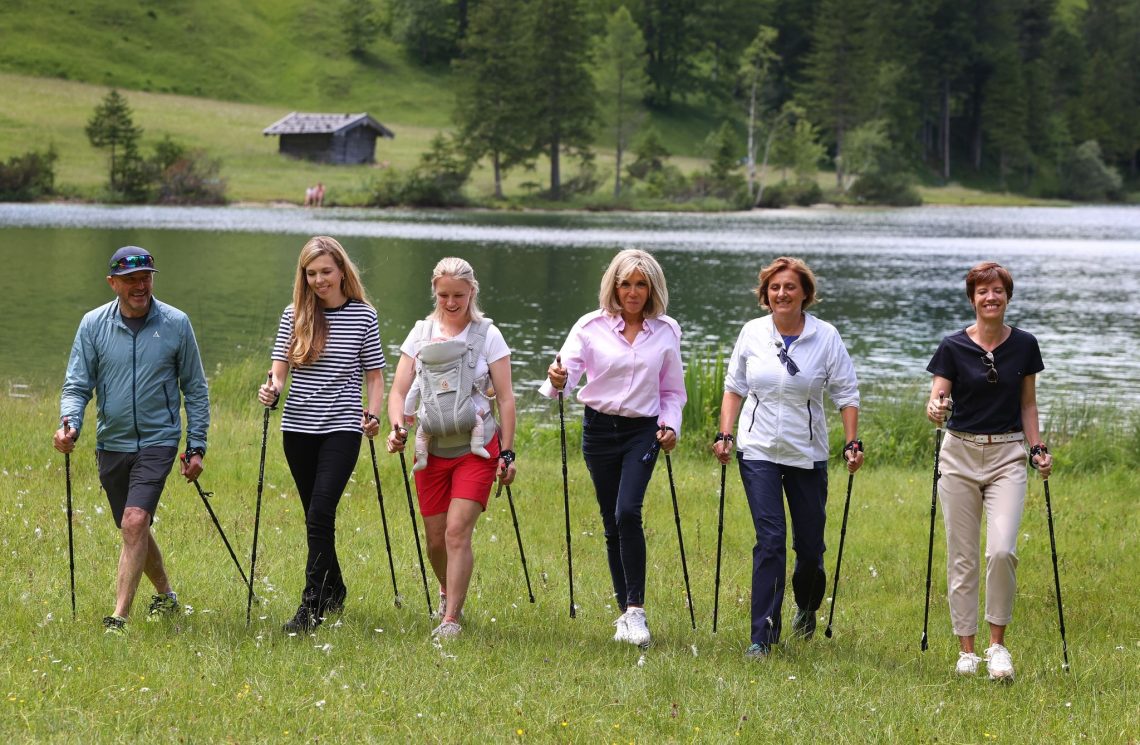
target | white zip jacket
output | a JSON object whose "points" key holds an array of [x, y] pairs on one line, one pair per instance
{"points": [[782, 419]]}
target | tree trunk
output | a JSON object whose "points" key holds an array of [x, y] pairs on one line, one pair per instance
{"points": [[946, 129], [498, 174], [764, 167], [751, 140], [839, 156], [619, 132], [555, 175]]}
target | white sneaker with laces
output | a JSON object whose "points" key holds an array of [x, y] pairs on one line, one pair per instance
{"points": [[637, 631], [999, 663], [967, 663], [621, 633]]}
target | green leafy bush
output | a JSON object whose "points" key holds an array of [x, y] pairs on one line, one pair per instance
{"points": [[29, 176]]}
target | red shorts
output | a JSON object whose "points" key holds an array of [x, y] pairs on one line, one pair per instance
{"points": [[466, 477]]}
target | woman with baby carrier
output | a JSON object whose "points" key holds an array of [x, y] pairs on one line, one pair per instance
{"points": [[329, 340], [456, 360], [630, 353]]}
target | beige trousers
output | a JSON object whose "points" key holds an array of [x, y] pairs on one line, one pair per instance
{"points": [[977, 479]]}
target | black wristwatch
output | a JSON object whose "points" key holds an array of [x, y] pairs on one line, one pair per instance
{"points": [[724, 436], [191, 452], [507, 456]]}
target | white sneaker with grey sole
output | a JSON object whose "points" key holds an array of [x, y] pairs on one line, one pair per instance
{"points": [[999, 663], [967, 663], [637, 630]]}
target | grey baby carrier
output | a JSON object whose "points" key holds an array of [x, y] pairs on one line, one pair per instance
{"points": [[446, 372]]}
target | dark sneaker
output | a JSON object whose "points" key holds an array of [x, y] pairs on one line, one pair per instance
{"points": [[116, 625], [756, 652], [162, 606], [803, 625], [306, 619]]}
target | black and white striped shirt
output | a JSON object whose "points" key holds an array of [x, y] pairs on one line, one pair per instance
{"points": [[325, 396]]}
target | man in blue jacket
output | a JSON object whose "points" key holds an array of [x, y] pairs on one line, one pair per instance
{"points": [[136, 355]]}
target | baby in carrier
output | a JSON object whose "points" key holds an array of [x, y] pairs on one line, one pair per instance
{"points": [[448, 406]]}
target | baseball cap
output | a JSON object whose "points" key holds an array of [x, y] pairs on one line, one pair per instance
{"points": [[131, 259]]}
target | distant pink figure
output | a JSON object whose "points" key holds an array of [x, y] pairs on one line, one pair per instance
{"points": [[319, 196]]}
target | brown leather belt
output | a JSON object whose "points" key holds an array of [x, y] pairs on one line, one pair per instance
{"points": [[988, 439]]}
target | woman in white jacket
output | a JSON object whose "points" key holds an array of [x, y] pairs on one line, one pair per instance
{"points": [[773, 392]]}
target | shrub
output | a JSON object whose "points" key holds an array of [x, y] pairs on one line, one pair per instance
{"points": [[1087, 178], [895, 188], [29, 176], [785, 193], [191, 178]]}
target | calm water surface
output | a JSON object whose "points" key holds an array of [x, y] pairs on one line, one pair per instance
{"points": [[890, 280]]}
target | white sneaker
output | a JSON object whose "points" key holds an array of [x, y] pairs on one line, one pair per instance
{"points": [[999, 663], [442, 610], [967, 663], [447, 630], [621, 634], [637, 632]]}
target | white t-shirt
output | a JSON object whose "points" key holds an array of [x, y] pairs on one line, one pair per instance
{"points": [[494, 349]]}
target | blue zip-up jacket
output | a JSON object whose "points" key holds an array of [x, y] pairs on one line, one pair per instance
{"points": [[136, 380]]}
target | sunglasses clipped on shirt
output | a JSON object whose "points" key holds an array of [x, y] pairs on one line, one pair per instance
{"points": [[991, 373], [133, 262], [787, 361]]}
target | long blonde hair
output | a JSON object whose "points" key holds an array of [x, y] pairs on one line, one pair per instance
{"points": [[625, 264], [456, 268], [310, 327]]}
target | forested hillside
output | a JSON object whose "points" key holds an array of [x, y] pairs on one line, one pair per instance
{"points": [[1037, 96]]}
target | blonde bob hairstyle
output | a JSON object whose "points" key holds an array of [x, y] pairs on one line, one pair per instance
{"points": [[625, 264], [456, 268], [310, 327], [807, 279]]}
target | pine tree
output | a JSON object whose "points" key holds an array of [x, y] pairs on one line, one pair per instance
{"points": [[560, 81], [495, 109], [621, 81], [112, 126]]}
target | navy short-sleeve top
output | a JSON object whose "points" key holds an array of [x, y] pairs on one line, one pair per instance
{"points": [[982, 407]]}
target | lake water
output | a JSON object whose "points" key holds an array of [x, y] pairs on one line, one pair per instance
{"points": [[890, 280]]}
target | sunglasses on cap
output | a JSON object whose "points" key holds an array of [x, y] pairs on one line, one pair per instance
{"points": [[133, 262]]}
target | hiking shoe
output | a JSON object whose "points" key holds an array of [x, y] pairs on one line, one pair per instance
{"points": [[756, 652], [967, 663], [803, 625], [621, 633], [999, 663], [447, 630], [162, 606], [305, 620], [442, 610], [637, 631], [116, 625], [335, 604]]}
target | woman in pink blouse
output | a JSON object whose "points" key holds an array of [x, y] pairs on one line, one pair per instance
{"points": [[630, 353]]}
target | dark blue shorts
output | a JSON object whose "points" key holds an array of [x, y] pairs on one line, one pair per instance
{"points": [[134, 479]]}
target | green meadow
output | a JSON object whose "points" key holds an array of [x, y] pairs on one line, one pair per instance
{"points": [[528, 672]]}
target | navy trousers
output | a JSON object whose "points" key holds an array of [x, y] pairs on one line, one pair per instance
{"points": [[620, 456], [765, 484]]}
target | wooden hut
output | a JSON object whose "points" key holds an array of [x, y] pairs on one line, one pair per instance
{"points": [[328, 138]]}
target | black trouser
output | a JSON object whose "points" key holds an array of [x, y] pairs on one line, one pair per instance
{"points": [[321, 466], [615, 449]]}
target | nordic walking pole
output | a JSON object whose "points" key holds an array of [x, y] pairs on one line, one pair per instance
{"points": [[933, 510], [383, 517], [204, 494], [565, 492], [1056, 577], [680, 541], [839, 559], [719, 537], [415, 526], [70, 538], [518, 537], [257, 511]]}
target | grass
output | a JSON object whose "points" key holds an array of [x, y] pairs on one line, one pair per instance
{"points": [[527, 672]]}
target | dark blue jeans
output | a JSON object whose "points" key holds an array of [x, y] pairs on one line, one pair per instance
{"points": [[806, 490], [614, 448], [321, 466]]}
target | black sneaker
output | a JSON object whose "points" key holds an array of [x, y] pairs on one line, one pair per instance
{"points": [[306, 619], [803, 625], [335, 604], [116, 625], [162, 606]]}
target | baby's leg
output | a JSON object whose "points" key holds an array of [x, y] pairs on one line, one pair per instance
{"points": [[422, 440], [477, 436]]}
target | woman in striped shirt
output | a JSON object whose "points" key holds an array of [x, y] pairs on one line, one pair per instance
{"points": [[329, 339]]}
